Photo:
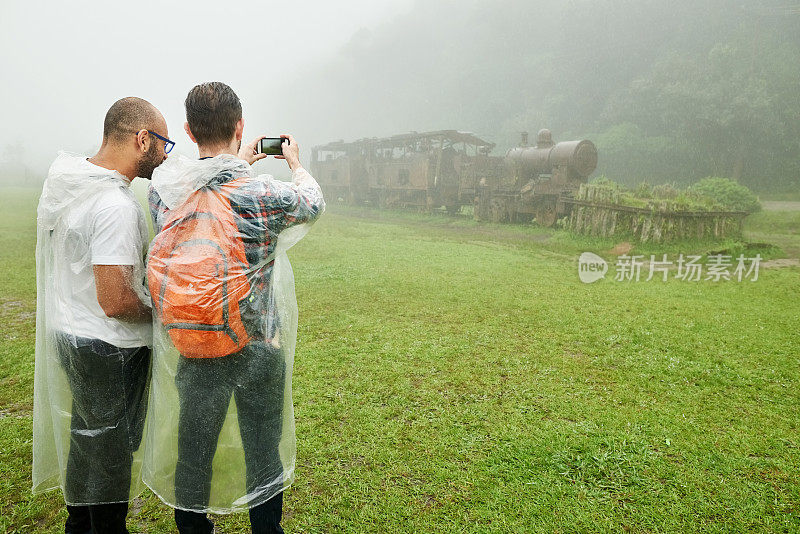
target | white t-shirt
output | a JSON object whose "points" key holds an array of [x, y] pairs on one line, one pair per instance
{"points": [[106, 229]]}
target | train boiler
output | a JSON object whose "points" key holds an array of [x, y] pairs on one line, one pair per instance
{"points": [[536, 181]]}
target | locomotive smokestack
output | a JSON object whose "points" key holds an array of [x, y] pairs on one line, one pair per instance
{"points": [[544, 138], [524, 140]]}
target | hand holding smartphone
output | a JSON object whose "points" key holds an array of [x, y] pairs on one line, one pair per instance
{"points": [[271, 146], [274, 146]]}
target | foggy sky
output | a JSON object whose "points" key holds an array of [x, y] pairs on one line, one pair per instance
{"points": [[65, 63]]}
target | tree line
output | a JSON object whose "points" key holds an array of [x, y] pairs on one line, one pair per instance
{"points": [[669, 91]]}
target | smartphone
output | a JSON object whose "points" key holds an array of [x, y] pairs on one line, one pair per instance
{"points": [[271, 146]]}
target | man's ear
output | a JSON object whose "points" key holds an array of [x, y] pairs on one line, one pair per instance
{"points": [[189, 132], [142, 140], [239, 129]]}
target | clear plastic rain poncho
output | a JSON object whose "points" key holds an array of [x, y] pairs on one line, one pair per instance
{"points": [[91, 371], [220, 435]]}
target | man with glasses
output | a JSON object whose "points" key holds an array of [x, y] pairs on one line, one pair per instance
{"points": [[93, 327], [168, 145]]}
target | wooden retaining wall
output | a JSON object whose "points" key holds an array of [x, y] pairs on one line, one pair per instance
{"points": [[595, 212]]}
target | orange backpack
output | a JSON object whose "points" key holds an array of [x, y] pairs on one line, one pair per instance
{"points": [[197, 275]]}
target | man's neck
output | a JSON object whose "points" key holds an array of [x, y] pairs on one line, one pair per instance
{"points": [[211, 151], [113, 162]]}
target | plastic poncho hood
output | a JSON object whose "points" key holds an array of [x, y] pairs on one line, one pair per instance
{"points": [[83, 414], [220, 434]]}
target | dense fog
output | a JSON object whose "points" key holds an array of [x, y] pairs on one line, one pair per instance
{"points": [[668, 91]]}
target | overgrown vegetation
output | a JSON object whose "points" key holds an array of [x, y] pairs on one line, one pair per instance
{"points": [[727, 193], [709, 194]]}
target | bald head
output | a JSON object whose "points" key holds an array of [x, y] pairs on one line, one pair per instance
{"points": [[128, 116], [134, 138]]}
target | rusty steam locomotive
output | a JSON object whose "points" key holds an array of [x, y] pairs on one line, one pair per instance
{"points": [[451, 169]]}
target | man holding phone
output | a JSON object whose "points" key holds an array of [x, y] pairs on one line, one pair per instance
{"points": [[223, 296]]}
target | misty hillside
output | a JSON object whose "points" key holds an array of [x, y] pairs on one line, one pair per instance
{"points": [[669, 91]]}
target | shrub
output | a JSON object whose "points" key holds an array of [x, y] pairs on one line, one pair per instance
{"points": [[604, 181], [643, 190], [727, 193], [666, 191]]}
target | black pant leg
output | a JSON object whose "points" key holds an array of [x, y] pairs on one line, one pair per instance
{"points": [[266, 517], [136, 374], [259, 405], [109, 518], [204, 391], [78, 460], [192, 522], [79, 520]]}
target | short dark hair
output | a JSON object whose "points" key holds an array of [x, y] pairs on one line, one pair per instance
{"points": [[127, 116], [212, 111]]}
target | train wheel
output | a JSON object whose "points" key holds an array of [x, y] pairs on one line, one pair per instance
{"points": [[383, 200], [374, 199], [479, 209], [546, 213], [498, 210]]}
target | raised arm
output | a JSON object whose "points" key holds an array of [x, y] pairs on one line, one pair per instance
{"points": [[269, 206], [301, 200]]}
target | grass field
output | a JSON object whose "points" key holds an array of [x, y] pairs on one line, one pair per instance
{"points": [[458, 377]]}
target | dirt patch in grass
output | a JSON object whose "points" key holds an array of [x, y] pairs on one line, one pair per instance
{"points": [[19, 310], [781, 262], [17, 411], [621, 248], [781, 205]]}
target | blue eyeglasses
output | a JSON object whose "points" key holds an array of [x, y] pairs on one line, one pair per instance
{"points": [[168, 145]]}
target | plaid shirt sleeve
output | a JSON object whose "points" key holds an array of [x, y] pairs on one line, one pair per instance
{"points": [[266, 208], [297, 202], [158, 210]]}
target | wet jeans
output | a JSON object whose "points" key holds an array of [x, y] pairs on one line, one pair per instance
{"points": [[255, 377], [109, 388]]}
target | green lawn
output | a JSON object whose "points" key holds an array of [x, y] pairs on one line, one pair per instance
{"points": [[458, 377]]}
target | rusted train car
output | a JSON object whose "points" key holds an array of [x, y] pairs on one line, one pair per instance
{"points": [[451, 169], [424, 170]]}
